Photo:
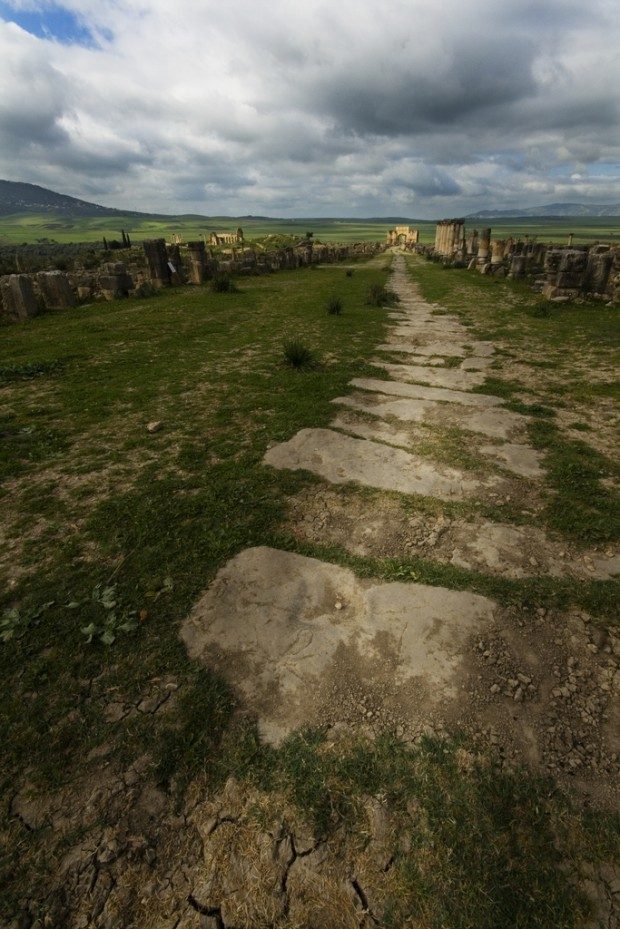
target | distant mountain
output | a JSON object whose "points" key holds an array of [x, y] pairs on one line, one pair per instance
{"points": [[16, 197], [551, 210]]}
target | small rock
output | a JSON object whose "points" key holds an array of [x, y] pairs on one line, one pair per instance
{"points": [[154, 426], [338, 605]]}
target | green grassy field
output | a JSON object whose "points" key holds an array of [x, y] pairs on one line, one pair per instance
{"points": [[91, 500], [30, 227]]}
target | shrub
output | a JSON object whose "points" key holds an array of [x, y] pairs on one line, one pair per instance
{"points": [[145, 289], [222, 284], [378, 295], [349, 272], [297, 355], [541, 309], [334, 306]]}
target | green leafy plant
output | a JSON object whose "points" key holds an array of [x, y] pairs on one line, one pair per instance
{"points": [[115, 622], [13, 623], [334, 306]]}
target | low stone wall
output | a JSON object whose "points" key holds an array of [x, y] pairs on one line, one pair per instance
{"points": [[559, 272], [156, 266]]}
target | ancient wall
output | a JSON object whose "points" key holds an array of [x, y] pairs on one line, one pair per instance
{"points": [[156, 266], [559, 272]]}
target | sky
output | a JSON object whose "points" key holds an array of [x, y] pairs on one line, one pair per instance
{"points": [[313, 107]]}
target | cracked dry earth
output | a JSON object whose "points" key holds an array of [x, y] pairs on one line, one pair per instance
{"points": [[305, 642]]}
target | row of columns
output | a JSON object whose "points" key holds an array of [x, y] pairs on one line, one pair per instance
{"points": [[449, 236]]}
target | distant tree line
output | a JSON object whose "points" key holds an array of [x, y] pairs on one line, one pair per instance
{"points": [[48, 256]]}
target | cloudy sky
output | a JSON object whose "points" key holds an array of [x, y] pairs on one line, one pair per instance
{"points": [[423, 108]]}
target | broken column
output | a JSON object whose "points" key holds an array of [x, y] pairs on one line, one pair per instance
{"points": [[438, 231], [598, 269], [484, 246], [18, 297], [175, 265], [197, 262], [157, 262], [518, 266], [497, 251], [55, 290]]}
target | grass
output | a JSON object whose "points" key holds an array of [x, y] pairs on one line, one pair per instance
{"points": [[470, 835], [223, 284], [379, 295], [30, 227], [102, 519], [97, 500], [569, 349], [298, 355], [334, 306]]}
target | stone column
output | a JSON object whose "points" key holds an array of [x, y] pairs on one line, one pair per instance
{"points": [[18, 297], [451, 239], [157, 262], [197, 262], [497, 251], [438, 237], [55, 290], [447, 236], [484, 245]]}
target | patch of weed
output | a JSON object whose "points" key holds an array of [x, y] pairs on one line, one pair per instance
{"points": [[222, 283], [298, 355], [379, 295], [334, 306]]}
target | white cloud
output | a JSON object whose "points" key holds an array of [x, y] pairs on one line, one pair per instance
{"points": [[293, 108]]}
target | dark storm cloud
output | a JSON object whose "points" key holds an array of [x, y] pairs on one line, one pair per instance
{"points": [[317, 108], [406, 100]]}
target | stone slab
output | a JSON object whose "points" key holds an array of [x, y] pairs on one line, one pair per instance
{"points": [[451, 349], [419, 392], [436, 377], [475, 363], [521, 459], [496, 424], [341, 459], [281, 627]]}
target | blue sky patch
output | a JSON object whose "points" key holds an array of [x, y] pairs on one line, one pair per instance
{"points": [[53, 22]]}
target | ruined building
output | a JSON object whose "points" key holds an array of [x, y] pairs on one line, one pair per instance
{"points": [[403, 235]]}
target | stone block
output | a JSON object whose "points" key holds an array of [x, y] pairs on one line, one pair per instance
{"points": [[197, 262], [18, 297], [157, 262], [55, 290], [518, 266]]}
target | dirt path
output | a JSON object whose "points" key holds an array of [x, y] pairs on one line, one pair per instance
{"points": [[304, 641]]}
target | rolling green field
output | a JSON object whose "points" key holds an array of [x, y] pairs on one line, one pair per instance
{"points": [[32, 227]]}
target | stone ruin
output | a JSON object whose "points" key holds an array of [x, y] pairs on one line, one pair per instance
{"points": [[156, 266], [403, 235], [559, 272], [227, 238], [449, 237]]}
